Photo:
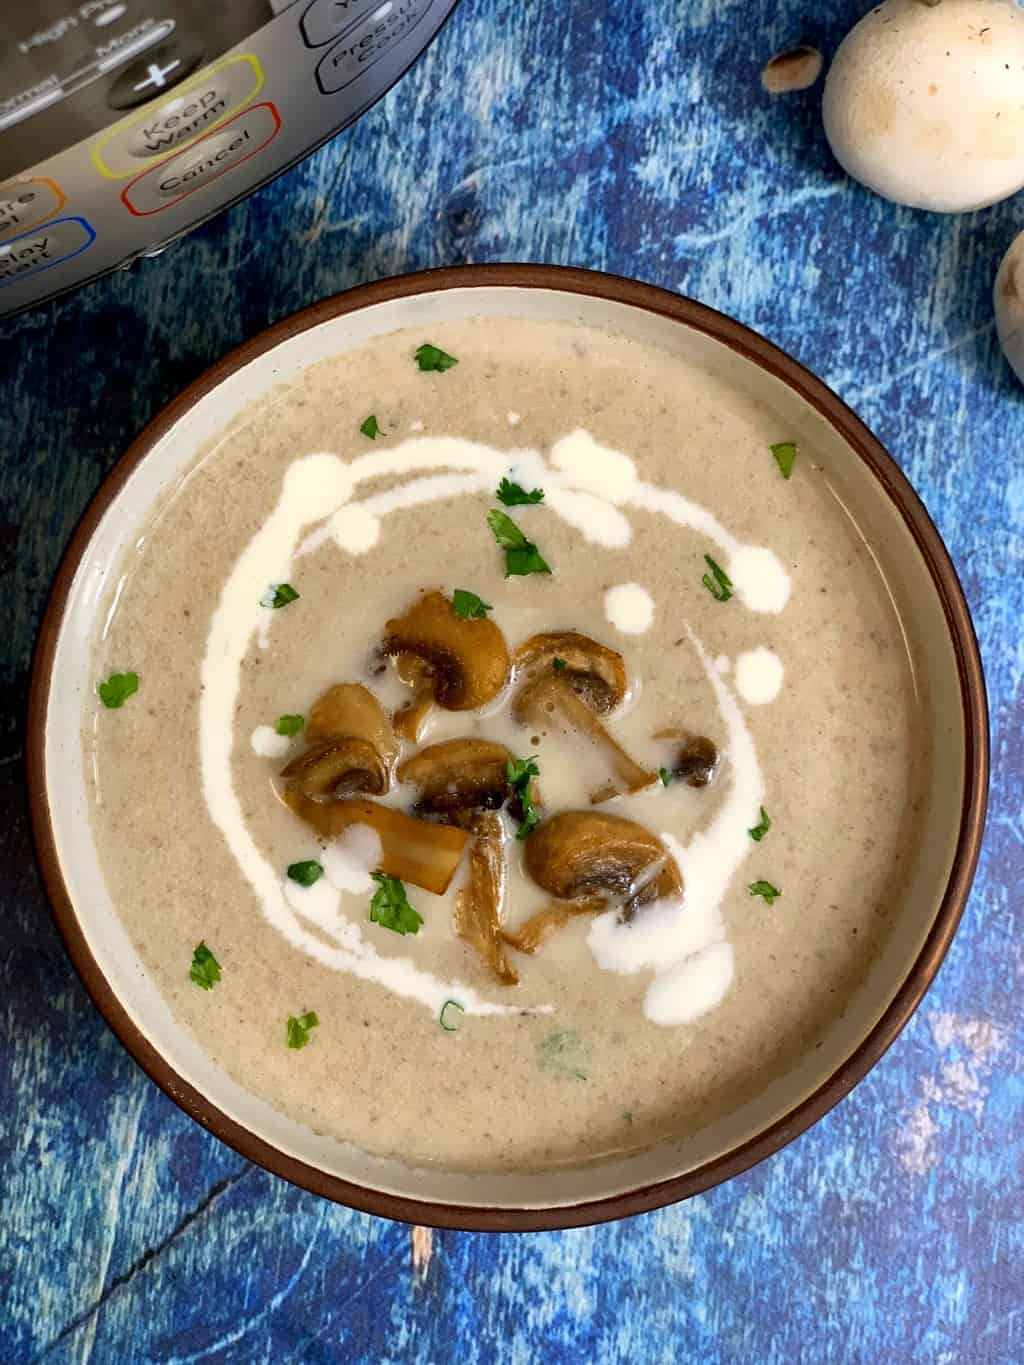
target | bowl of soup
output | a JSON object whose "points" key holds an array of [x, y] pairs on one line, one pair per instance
{"points": [[508, 748]]}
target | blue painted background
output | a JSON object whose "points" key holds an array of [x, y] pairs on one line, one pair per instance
{"points": [[635, 138]]}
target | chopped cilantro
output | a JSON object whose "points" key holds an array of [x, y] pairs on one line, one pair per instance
{"points": [[371, 428], [298, 1028], [449, 1005], [305, 873], [717, 582], [766, 890], [761, 828], [785, 457], [117, 689], [520, 773], [628, 1116], [433, 358], [521, 555], [559, 665], [390, 906], [289, 725], [205, 969], [468, 607], [666, 776], [515, 495], [279, 595]]}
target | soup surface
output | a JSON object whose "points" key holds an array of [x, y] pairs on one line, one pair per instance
{"points": [[727, 897]]}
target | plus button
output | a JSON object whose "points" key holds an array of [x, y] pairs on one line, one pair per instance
{"points": [[156, 76]]}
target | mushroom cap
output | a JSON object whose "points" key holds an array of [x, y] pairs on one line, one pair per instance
{"points": [[1009, 304], [351, 745], [458, 775], [922, 103], [596, 673], [578, 855], [468, 660]]}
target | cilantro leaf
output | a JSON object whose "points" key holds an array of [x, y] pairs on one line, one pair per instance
{"points": [[371, 428], [785, 457], [117, 689], [390, 906], [761, 828], [279, 595], [430, 357], [305, 873], [515, 495], [521, 555], [449, 1005], [468, 607], [520, 773], [717, 582], [205, 969], [666, 777], [289, 725], [298, 1028], [765, 889], [564, 1053], [559, 665]]}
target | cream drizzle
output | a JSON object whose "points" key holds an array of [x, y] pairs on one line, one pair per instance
{"points": [[587, 485]]}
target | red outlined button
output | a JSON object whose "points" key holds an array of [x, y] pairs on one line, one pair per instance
{"points": [[205, 161]]}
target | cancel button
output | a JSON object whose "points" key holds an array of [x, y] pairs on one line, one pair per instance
{"points": [[215, 154]]}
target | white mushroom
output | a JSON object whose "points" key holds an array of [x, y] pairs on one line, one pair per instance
{"points": [[1009, 301], [924, 103]]}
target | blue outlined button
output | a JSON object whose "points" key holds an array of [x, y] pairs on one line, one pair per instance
{"points": [[44, 247]]}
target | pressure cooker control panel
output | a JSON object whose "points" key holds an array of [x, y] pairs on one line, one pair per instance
{"points": [[123, 125]]}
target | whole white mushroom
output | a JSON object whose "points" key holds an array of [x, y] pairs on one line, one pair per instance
{"points": [[924, 102], [1009, 299]]}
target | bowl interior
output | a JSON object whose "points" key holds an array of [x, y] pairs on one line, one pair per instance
{"points": [[117, 977]]}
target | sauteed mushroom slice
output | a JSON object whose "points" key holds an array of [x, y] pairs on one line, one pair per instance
{"points": [[550, 699], [458, 775], [477, 917], [696, 761], [539, 927], [593, 856], [351, 746], [595, 673], [416, 851], [409, 719], [466, 661]]}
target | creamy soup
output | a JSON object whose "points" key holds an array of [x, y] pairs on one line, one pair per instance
{"points": [[525, 752]]}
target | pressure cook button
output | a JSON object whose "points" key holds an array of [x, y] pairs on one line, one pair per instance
{"points": [[326, 19], [152, 74], [367, 42]]}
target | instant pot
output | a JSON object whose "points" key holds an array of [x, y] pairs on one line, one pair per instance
{"points": [[124, 123]]}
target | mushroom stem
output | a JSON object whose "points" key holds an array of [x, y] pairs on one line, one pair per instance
{"points": [[412, 850], [536, 931], [477, 917]]}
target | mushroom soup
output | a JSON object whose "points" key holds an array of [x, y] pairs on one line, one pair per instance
{"points": [[506, 754]]}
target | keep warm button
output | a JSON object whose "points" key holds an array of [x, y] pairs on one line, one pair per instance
{"points": [[205, 161]]}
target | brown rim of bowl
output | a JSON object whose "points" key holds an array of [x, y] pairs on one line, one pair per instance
{"points": [[975, 715]]}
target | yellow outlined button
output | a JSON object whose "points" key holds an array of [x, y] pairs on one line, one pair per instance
{"points": [[172, 123]]}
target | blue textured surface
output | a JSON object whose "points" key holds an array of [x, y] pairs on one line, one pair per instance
{"points": [[635, 138]]}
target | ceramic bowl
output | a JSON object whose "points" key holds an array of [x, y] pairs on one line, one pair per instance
{"points": [[920, 573]]}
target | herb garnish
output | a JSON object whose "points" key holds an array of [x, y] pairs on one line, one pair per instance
{"points": [[515, 495], [449, 1005], [766, 890], [298, 1029], [761, 828], [559, 665], [371, 428], [433, 358], [521, 555], [468, 607], [279, 595], [665, 775], [785, 457], [205, 969], [565, 1053], [117, 689], [305, 873], [289, 725], [390, 906], [717, 582], [520, 773]]}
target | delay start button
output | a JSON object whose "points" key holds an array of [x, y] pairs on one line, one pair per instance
{"points": [[32, 252], [205, 161]]}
